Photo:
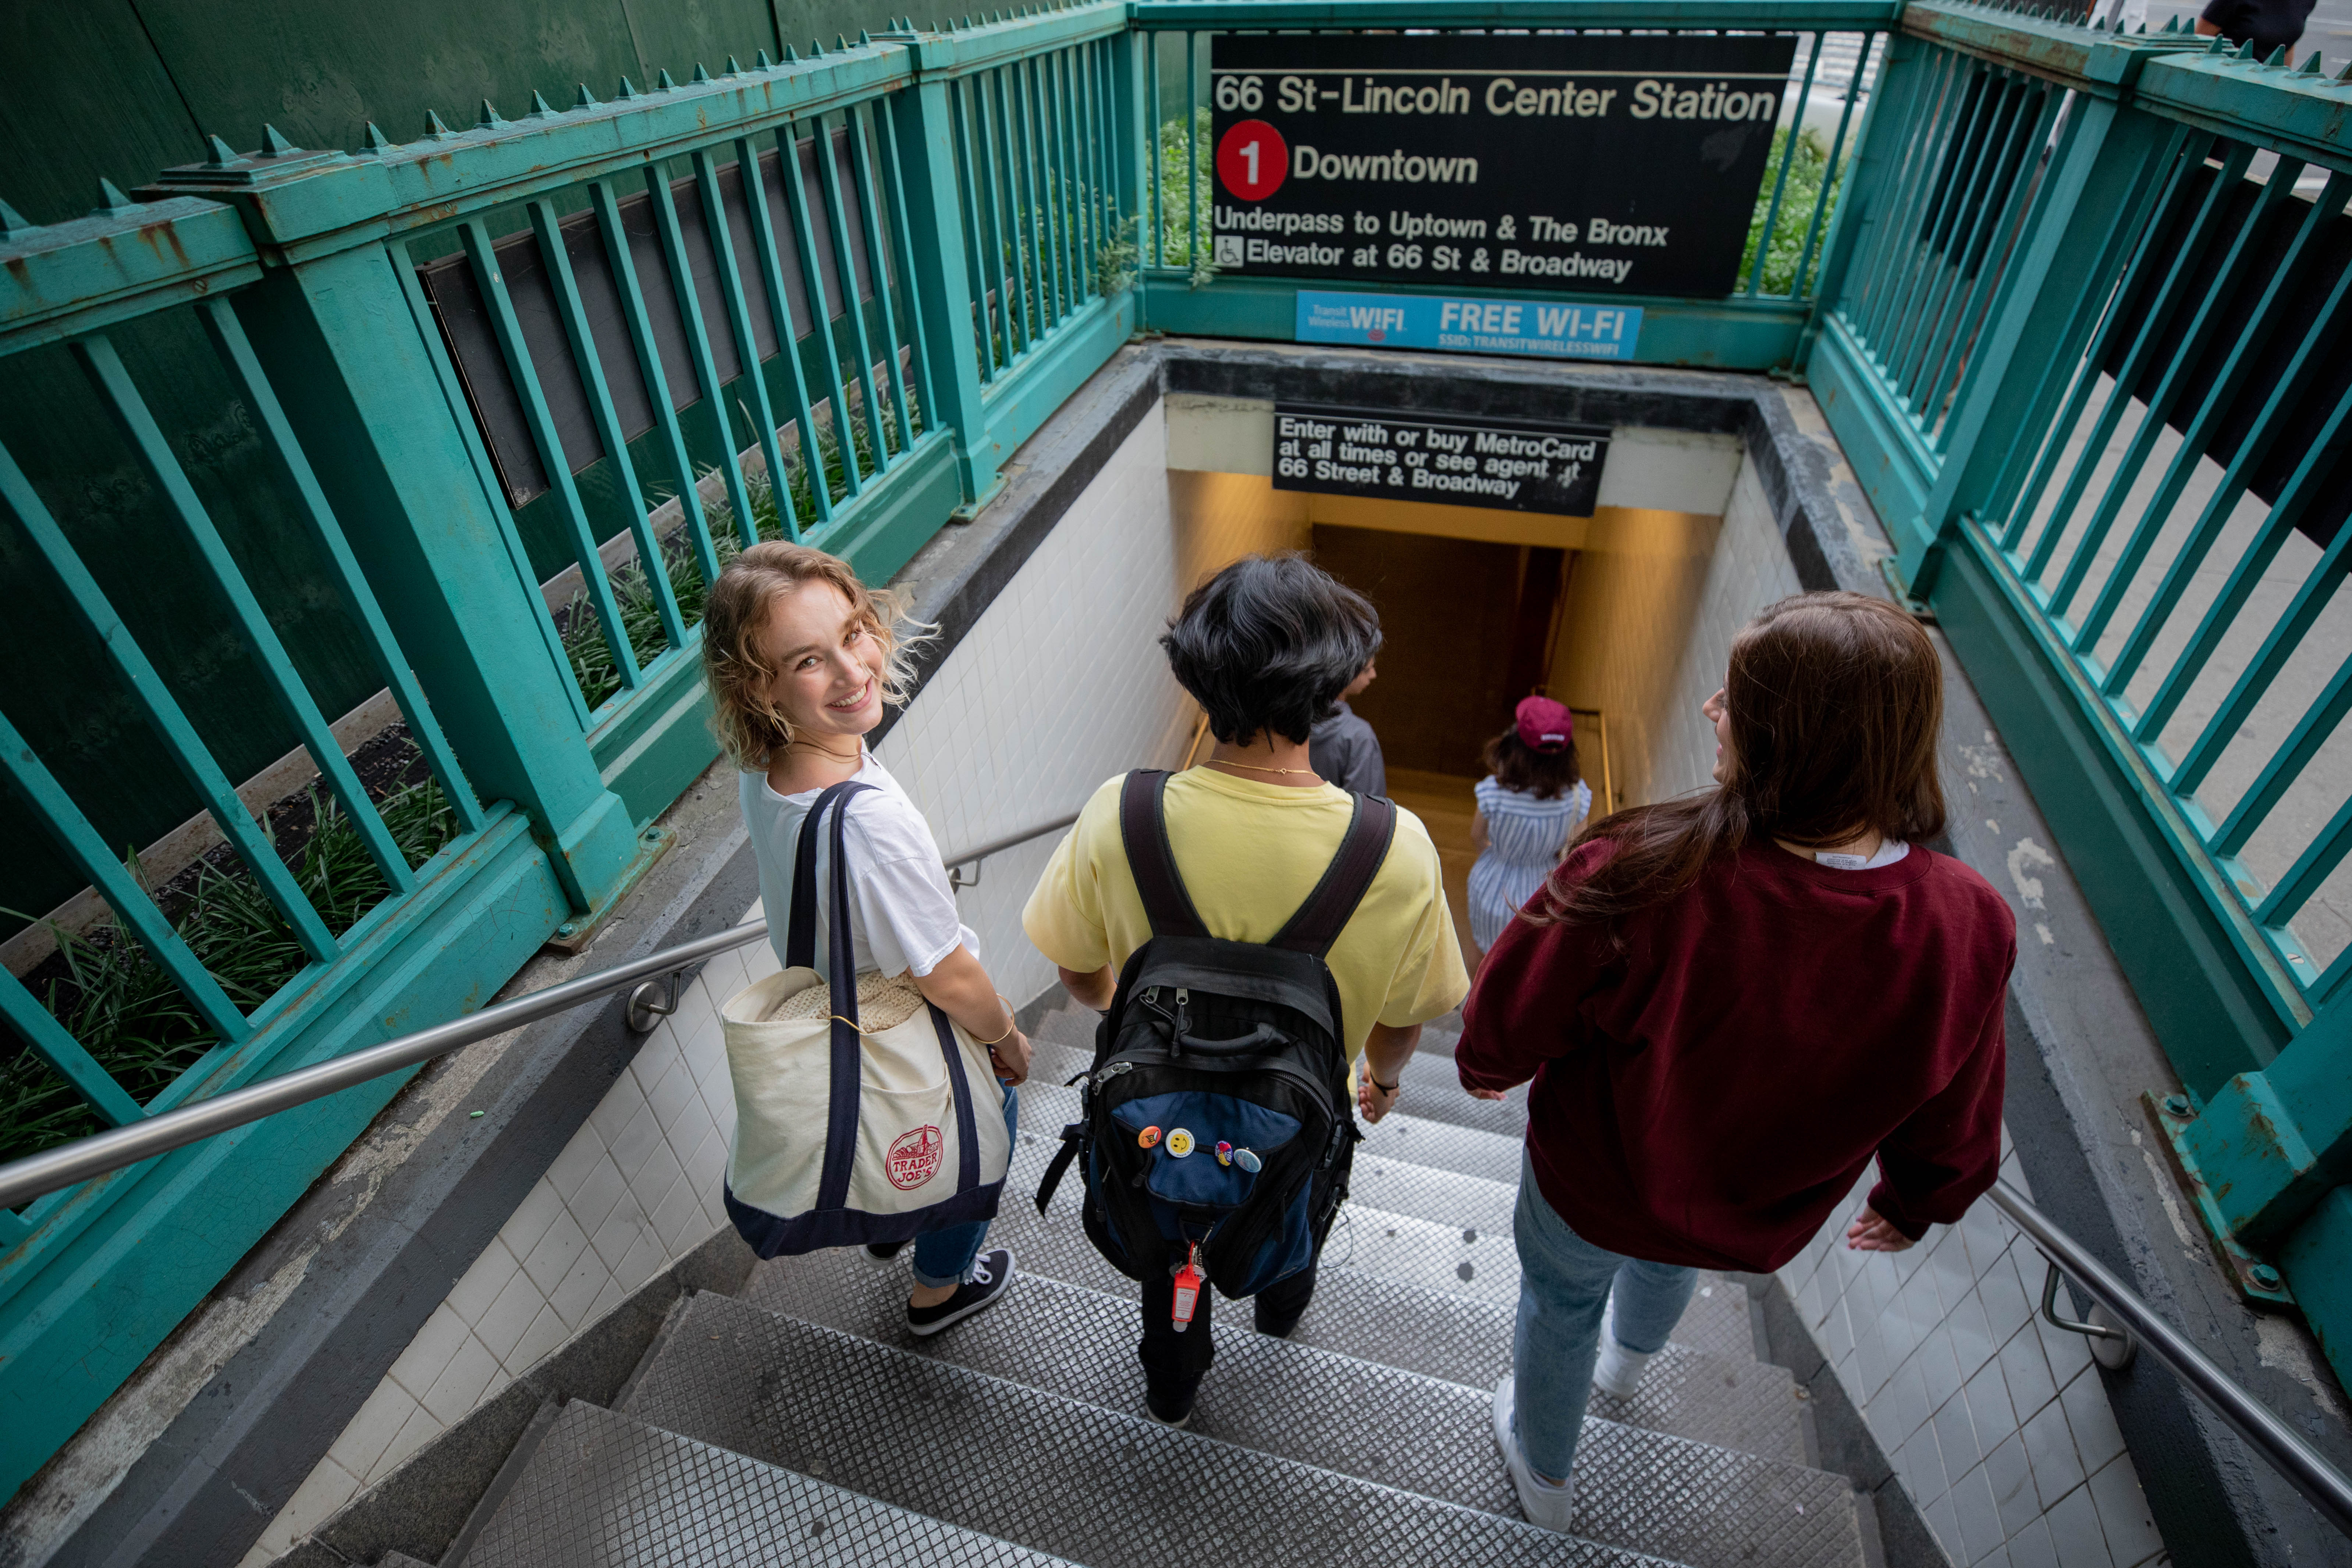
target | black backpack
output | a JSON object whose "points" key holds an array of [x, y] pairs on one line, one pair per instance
{"points": [[1216, 1124]]}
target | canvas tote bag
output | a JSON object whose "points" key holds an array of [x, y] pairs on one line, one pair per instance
{"points": [[844, 1138]]}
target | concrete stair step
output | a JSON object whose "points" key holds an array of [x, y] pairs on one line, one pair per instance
{"points": [[1054, 1474], [605, 1490], [1702, 1503]]}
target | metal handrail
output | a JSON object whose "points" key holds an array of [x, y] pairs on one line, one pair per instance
{"points": [[2323, 1486], [21, 1181]]}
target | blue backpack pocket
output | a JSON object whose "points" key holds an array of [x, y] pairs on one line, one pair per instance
{"points": [[1199, 1181]]}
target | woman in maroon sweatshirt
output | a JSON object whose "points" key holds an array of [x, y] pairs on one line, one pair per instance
{"points": [[1729, 1003]]}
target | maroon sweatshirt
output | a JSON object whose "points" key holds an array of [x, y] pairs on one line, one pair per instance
{"points": [[1710, 1094]]}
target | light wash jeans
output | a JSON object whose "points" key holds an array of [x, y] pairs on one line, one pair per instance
{"points": [[1564, 1283], [944, 1257]]}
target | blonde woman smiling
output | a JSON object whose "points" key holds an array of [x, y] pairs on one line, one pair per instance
{"points": [[802, 659]]}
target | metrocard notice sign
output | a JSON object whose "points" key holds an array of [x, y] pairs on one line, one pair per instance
{"points": [[1604, 163]]}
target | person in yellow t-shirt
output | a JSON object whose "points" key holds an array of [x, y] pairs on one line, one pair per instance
{"points": [[1265, 647]]}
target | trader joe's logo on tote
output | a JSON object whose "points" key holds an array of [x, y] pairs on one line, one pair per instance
{"points": [[914, 1158]]}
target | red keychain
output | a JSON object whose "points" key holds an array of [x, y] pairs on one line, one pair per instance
{"points": [[1188, 1289]]}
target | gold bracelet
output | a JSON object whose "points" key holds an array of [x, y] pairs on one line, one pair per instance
{"points": [[1012, 1022]]}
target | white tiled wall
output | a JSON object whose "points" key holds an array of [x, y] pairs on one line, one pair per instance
{"points": [[1059, 686], [1997, 1424], [636, 1189]]}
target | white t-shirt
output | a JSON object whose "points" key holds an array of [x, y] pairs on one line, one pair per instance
{"points": [[902, 912], [1888, 852]]}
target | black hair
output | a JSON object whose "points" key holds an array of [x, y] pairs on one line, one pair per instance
{"points": [[1269, 642], [1519, 767]]}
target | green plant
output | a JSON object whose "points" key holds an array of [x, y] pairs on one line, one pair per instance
{"points": [[584, 647], [1115, 257], [130, 1015], [1806, 172], [1177, 154]]}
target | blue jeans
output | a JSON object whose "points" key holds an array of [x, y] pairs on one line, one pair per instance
{"points": [[944, 1257], [1564, 1283]]}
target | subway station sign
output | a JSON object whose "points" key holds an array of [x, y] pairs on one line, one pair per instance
{"points": [[1509, 465], [1597, 163]]}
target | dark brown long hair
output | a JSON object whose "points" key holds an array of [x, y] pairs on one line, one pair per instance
{"points": [[1835, 703]]}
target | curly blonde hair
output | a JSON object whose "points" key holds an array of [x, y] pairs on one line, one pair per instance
{"points": [[734, 660]]}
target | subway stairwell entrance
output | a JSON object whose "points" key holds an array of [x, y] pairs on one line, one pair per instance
{"points": [[362, 506]]}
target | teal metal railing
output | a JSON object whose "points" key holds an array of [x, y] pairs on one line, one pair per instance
{"points": [[2080, 335], [524, 388]]}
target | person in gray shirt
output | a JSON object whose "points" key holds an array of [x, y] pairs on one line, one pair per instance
{"points": [[1343, 748]]}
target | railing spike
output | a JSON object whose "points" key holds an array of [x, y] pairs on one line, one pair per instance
{"points": [[2172, 24], [489, 116], [842, 38], [864, 38], [110, 199], [2346, 74], [791, 55], [2246, 50], [273, 145], [732, 67], [763, 62], [701, 75], [12, 221], [627, 91], [375, 140], [435, 128], [539, 108], [2311, 64], [223, 154], [663, 83], [586, 100]]}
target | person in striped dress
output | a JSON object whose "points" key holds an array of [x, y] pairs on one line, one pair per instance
{"points": [[1530, 805]]}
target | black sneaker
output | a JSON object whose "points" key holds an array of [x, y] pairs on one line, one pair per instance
{"points": [[884, 1251], [991, 1272], [1170, 1410]]}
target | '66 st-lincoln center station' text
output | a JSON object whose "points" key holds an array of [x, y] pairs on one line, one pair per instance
{"points": [[1607, 164]]}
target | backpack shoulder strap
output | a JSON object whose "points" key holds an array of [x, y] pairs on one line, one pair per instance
{"points": [[1361, 853], [1143, 830]]}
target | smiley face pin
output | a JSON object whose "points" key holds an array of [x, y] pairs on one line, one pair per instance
{"points": [[1180, 1143], [1147, 1138]]}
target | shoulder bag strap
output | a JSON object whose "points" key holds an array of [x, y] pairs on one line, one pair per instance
{"points": [[1143, 830], [800, 920], [848, 1047], [1328, 908]]}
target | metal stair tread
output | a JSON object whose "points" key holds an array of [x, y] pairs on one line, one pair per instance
{"points": [[1719, 1507], [1482, 1264], [606, 1489], [1429, 1141], [1062, 1475]]}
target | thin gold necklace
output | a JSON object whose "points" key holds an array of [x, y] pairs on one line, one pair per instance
{"points": [[827, 750], [1256, 768]]}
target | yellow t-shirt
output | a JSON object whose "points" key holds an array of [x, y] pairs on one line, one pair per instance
{"points": [[1249, 854]]}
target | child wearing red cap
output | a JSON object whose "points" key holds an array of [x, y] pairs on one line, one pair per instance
{"points": [[1530, 805]]}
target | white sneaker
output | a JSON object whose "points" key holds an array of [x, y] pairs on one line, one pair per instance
{"points": [[1617, 1370], [1543, 1503]]}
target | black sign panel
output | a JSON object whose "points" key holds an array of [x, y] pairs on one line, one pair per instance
{"points": [[1597, 163], [1508, 465]]}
